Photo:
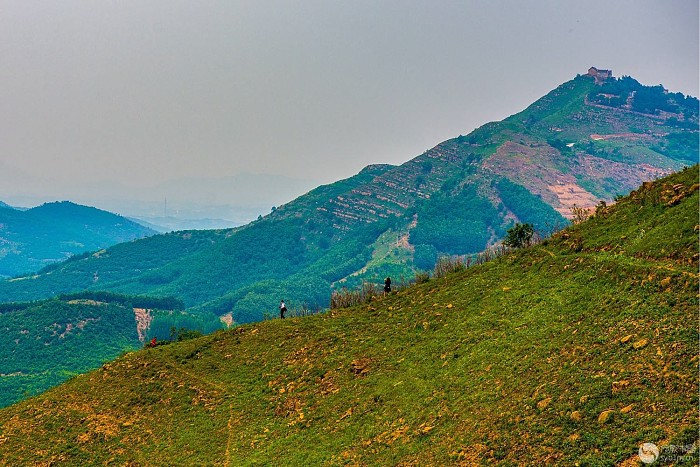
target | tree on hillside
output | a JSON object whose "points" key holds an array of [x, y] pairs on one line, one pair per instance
{"points": [[519, 236]]}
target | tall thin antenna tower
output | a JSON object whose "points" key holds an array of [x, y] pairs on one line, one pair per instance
{"points": [[165, 207]]}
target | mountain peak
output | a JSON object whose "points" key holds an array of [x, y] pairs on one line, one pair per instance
{"points": [[599, 75]]}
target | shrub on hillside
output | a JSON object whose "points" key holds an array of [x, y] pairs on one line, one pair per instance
{"points": [[422, 277], [346, 298], [183, 334], [447, 264], [519, 236], [579, 214]]}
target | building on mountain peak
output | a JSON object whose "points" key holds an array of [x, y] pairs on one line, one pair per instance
{"points": [[599, 75]]}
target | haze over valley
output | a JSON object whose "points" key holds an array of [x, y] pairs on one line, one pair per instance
{"points": [[222, 112]]}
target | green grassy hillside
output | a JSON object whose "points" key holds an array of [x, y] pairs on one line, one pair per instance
{"points": [[573, 352]]}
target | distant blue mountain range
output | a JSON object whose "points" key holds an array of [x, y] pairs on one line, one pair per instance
{"points": [[34, 238]]}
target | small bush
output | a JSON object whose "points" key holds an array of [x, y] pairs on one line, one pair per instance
{"points": [[344, 298], [579, 214], [448, 264], [422, 277], [304, 310], [183, 334], [601, 209]]}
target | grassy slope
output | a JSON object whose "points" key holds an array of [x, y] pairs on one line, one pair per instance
{"points": [[515, 361]]}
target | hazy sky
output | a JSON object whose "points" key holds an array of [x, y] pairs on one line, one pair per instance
{"points": [[120, 99]]}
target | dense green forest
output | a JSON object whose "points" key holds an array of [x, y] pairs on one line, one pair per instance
{"points": [[529, 208], [441, 226], [626, 91], [46, 342]]}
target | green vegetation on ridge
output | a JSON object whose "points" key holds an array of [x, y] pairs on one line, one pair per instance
{"points": [[573, 352], [47, 342]]}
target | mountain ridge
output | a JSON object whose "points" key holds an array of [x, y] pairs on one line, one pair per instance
{"points": [[457, 198], [34, 238]]}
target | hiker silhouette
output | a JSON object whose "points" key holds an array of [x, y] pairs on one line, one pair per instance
{"points": [[387, 285], [283, 308]]}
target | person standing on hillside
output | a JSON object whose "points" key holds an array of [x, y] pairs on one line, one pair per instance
{"points": [[387, 285], [283, 308]]}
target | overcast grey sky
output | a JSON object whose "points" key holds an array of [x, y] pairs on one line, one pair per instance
{"points": [[111, 99]]}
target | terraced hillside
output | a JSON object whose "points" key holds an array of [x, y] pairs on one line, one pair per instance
{"points": [[573, 352]]}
